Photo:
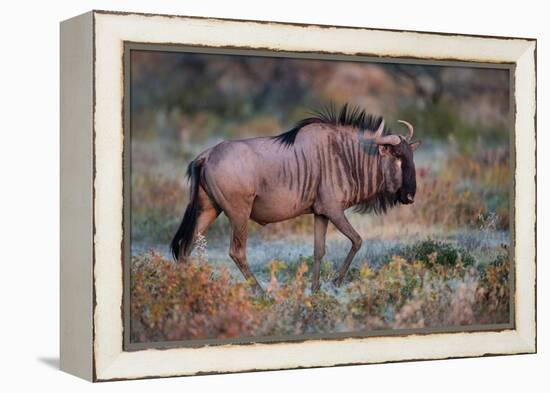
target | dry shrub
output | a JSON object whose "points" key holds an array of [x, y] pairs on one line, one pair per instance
{"points": [[407, 294], [293, 309], [442, 204], [487, 167], [172, 301], [157, 206], [383, 293], [444, 290], [157, 194], [469, 186], [493, 293], [193, 301], [438, 202], [486, 174]]}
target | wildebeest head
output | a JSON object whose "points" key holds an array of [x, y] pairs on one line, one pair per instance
{"points": [[398, 163]]}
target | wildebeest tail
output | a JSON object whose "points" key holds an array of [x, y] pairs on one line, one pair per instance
{"points": [[183, 239]]}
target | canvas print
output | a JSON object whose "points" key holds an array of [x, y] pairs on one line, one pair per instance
{"points": [[277, 198]]}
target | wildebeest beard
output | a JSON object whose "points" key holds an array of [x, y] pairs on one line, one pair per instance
{"points": [[383, 200], [379, 203]]}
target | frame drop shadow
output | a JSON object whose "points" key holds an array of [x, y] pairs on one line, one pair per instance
{"points": [[50, 361]]}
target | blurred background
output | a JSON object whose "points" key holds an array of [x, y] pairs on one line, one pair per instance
{"points": [[442, 261], [183, 103]]}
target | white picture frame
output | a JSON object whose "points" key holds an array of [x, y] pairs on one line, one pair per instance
{"points": [[92, 180]]}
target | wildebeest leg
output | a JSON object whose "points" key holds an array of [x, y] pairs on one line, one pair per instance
{"points": [[320, 231], [206, 218], [208, 213], [341, 222], [237, 251]]}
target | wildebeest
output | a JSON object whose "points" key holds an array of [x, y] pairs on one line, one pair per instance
{"points": [[324, 165]]}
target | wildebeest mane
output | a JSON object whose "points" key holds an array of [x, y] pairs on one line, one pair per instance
{"points": [[347, 116], [354, 117]]}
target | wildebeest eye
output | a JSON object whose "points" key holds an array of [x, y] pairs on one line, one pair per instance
{"points": [[396, 151]]}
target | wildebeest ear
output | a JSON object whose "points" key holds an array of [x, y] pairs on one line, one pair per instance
{"points": [[384, 150], [415, 145]]}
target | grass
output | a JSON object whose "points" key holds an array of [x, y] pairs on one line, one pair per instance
{"points": [[430, 285], [445, 268]]}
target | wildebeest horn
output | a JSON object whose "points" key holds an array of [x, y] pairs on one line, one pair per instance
{"points": [[385, 140], [410, 127]]}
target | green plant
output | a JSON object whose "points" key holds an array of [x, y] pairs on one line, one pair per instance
{"points": [[432, 252]]}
